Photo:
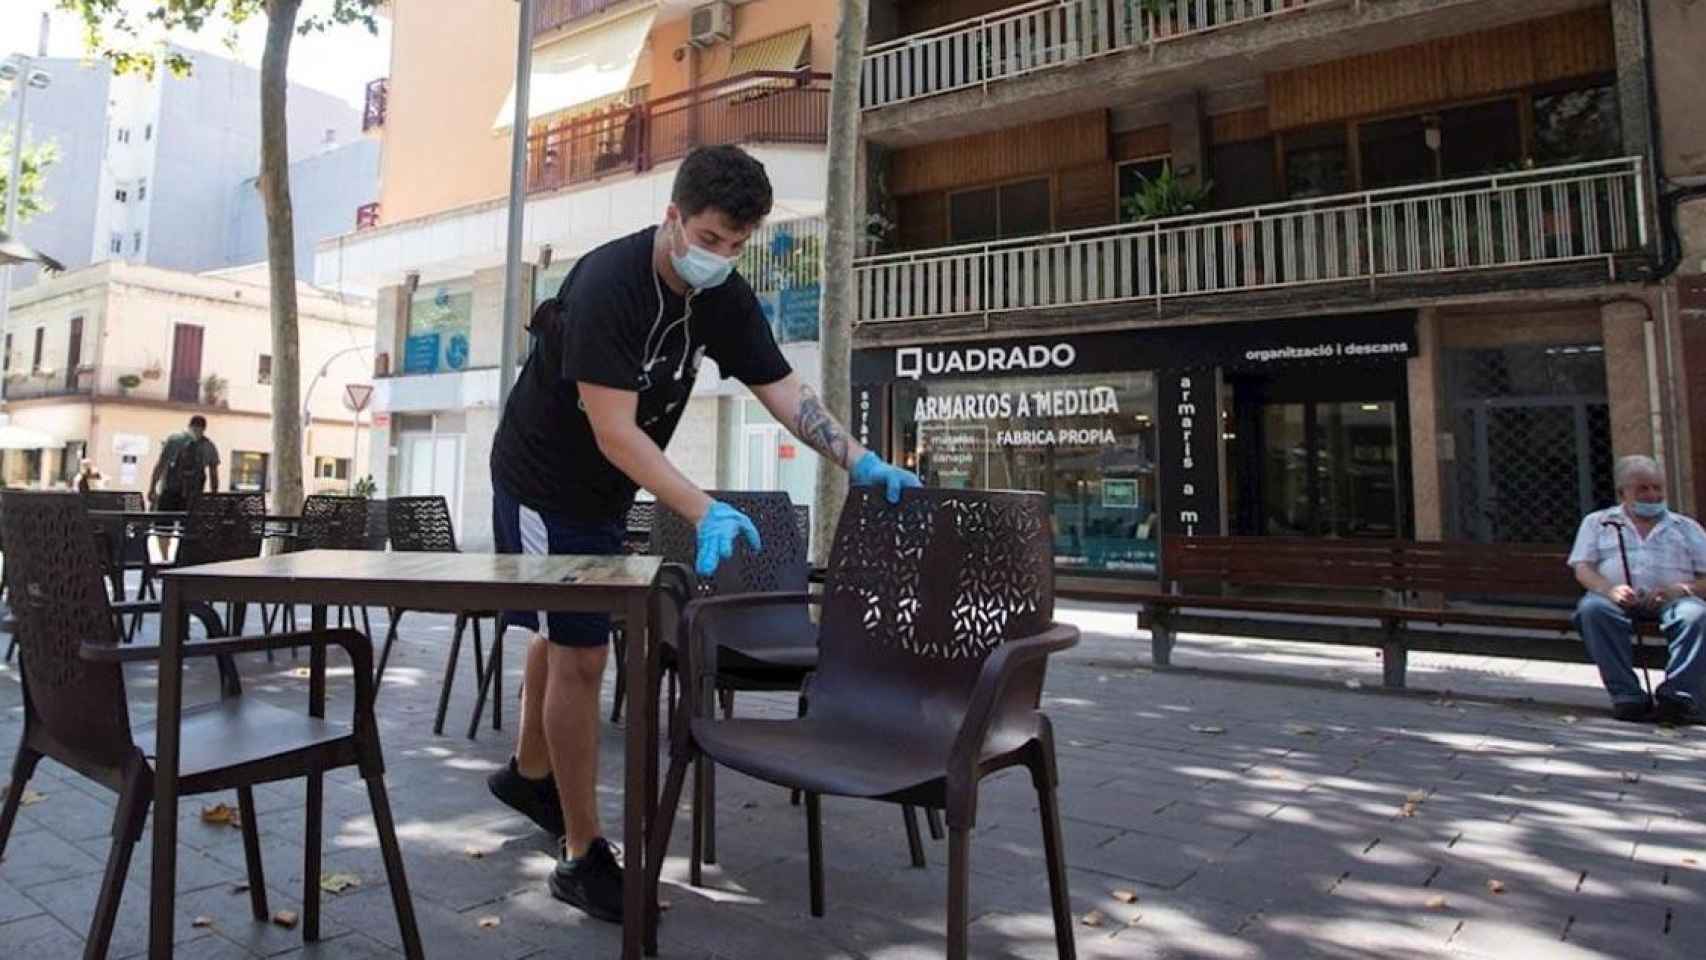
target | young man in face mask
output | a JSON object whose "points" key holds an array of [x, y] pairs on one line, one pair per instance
{"points": [[614, 357], [1666, 578]]}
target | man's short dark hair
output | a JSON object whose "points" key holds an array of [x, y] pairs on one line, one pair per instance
{"points": [[727, 178], [198, 421]]}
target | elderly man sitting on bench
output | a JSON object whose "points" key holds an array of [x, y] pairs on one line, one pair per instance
{"points": [[1639, 560]]}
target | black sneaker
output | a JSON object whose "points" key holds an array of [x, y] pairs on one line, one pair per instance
{"points": [[535, 799], [592, 882], [1674, 711], [1634, 711]]}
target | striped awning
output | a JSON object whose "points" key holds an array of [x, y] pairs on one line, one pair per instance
{"points": [[784, 52]]}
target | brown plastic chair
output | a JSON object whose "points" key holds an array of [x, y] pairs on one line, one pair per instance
{"points": [[936, 629], [422, 525], [328, 522], [76, 712]]}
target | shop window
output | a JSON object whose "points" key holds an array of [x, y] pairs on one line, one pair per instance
{"points": [[1243, 174], [1478, 139], [1576, 126], [1087, 441], [263, 370], [1020, 209], [331, 468], [1316, 163], [440, 322], [1396, 152], [248, 471]]}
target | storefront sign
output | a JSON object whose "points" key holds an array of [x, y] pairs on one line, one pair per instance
{"points": [[870, 417], [1189, 415], [440, 323], [798, 313], [1358, 338]]}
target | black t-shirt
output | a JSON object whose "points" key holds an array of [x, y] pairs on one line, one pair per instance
{"points": [[604, 327]]}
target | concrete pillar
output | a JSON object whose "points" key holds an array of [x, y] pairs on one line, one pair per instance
{"points": [[1185, 130], [1627, 378], [390, 325], [1427, 480], [474, 531]]}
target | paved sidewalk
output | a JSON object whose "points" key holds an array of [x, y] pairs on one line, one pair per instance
{"points": [[1267, 800]]}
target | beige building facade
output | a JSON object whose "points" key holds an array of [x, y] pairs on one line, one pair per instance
{"points": [[621, 92], [1396, 268], [109, 360]]}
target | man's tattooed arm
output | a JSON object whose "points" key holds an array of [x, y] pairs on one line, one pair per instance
{"points": [[818, 430]]}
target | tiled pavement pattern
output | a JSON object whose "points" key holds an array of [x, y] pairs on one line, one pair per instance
{"points": [[1287, 816]]}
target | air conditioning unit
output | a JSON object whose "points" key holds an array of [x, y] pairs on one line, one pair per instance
{"points": [[712, 23]]}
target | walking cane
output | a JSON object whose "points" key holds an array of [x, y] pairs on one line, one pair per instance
{"points": [[1634, 630]]}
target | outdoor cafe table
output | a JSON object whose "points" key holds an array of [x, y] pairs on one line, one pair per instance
{"points": [[414, 581]]}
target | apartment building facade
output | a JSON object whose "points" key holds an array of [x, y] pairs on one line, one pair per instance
{"points": [[108, 360], [159, 171], [620, 93], [1280, 267]]}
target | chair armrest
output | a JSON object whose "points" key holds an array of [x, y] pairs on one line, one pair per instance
{"points": [[1008, 687], [123, 607], [698, 650]]}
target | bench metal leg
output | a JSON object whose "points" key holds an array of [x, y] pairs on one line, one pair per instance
{"points": [[1161, 642], [1395, 657]]}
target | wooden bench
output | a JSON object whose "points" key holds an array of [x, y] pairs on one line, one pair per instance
{"points": [[1503, 600]]}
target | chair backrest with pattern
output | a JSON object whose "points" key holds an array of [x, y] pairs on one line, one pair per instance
{"points": [[60, 602], [378, 525], [781, 564], [223, 526], [918, 594], [332, 523], [420, 525], [114, 500]]}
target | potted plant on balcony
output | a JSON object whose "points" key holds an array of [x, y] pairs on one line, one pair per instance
{"points": [[128, 382], [152, 370], [365, 487], [213, 390], [1167, 195]]}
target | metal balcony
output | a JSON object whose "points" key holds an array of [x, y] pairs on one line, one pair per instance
{"points": [[1579, 212]]}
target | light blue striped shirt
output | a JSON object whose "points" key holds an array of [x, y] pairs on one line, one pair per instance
{"points": [[1673, 552]]}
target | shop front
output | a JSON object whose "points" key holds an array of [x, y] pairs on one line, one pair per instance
{"points": [[1294, 427]]}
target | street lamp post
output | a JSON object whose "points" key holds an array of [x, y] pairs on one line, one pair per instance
{"points": [[20, 71], [355, 426]]}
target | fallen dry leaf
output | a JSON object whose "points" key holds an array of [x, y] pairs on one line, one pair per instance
{"points": [[1630, 776], [1665, 731], [1495, 886], [490, 923], [1417, 796], [30, 797], [1689, 861], [221, 815], [1407, 810], [1435, 903], [338, 882], [474, 853], [202, 922], [1353, 684], [1093, 919], [1570, 718], [1300, 730], [302, 672], [1125, 896], [1207, 728], [285, 919]]}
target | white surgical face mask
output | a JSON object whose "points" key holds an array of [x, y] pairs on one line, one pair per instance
{"points": [[699, 268]]}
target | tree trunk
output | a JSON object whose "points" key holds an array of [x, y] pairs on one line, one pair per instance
{"points": [[845, 222], [281, 259]]}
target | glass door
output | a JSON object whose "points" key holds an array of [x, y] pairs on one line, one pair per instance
{"points": [[1321, 469]]}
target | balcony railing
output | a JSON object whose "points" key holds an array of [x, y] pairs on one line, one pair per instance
{"points": [[367, 216], [551, 14], [373, 113], [1534, 217], [1041, 36], [23, 385], [758, 107]]}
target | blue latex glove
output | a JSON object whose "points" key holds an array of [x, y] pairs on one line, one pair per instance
{"points": [[717, 532], [873, 471]]}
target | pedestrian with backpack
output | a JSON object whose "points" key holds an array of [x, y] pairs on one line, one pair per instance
{"points": [[189, 463]]}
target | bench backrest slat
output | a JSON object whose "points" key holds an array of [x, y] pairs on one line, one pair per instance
{"points": [[1515, 570]]}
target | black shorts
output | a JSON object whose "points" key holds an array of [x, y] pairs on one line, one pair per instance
{"points": [[172, 500], [518, 528]]}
